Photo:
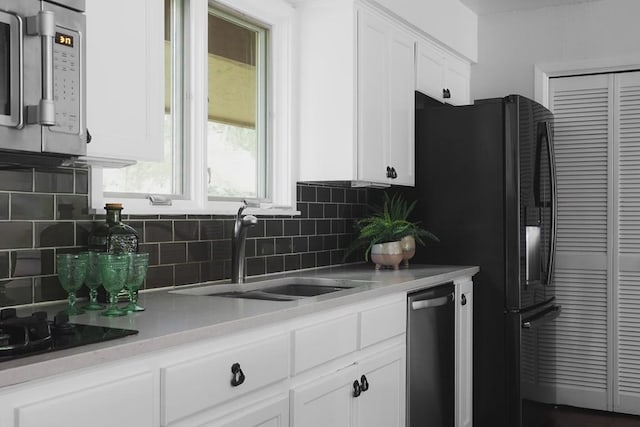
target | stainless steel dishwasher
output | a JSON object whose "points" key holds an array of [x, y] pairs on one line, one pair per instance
{"points": [[431, 357]]}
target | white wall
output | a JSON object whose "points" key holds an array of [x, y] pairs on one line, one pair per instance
{"points": [[448, 21], [510, 44]]}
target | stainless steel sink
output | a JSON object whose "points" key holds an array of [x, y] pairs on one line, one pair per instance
{"points": [[286, 289]]}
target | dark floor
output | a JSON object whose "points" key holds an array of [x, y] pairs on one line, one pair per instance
{"points": [[539, 415]]}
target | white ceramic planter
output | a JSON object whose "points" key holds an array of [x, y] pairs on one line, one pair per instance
{"points": [[387, 255]]}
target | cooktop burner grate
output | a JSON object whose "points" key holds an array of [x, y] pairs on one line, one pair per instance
{"points": [[35, 334]]}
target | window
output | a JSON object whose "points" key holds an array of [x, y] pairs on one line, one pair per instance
{"points": [[227, 121], [236, 128]]}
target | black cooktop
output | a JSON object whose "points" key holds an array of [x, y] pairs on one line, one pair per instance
{"points": [[35, 334]]}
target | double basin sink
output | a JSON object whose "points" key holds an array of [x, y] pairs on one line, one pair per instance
{"points": [[285, 289]]}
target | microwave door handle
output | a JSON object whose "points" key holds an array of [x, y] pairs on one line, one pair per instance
{"points": [[14, 70], [44, 25]]}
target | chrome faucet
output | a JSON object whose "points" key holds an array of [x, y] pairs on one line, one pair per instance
{"points": [[242, 224]]}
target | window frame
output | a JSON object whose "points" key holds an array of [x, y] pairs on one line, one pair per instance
{"points": [[278, 16]]}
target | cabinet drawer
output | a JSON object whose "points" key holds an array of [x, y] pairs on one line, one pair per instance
{"points": [[381, 323], [314, 345], [199, 384], [131, 397]]}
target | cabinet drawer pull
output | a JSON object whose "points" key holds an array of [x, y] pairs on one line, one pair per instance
{"points": [[357, 391], [391, 172], [364, 384], [238, 376], [463, 299]]}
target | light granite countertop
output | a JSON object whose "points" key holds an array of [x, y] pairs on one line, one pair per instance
{"points": [[172, 319]]}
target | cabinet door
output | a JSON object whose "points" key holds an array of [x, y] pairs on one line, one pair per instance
{"points": [[327, 401], [125, 79], [401, 108], [383, 402], [373, 96], [275, 414], [430, 70], [457, 81], [464, 354], [81, 401]]}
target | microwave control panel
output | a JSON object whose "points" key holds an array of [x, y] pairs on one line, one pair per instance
{"points": [[66, 81]]}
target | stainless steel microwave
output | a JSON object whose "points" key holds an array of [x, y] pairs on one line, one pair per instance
{"points": [[42, 81]]}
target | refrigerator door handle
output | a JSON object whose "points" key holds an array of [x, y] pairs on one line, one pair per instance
{"points": [[532, 307], [435, 302], [541, 317], [554, 202]]}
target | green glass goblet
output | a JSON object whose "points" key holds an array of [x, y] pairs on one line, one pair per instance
{"points": [[113, 271], [137, 274], [93, 282], [72, 269]]}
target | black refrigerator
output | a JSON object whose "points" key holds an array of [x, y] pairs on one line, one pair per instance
{"points": [[486, 186]]}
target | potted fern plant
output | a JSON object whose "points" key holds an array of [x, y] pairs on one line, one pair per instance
{"points": [[388, 234]]}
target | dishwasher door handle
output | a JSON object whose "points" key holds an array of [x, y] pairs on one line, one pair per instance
{"points": [[435, 302]]}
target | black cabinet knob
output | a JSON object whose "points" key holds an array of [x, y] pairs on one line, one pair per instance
{"points": [[357, 391], [394, 174], [364, 384], [237, 375], [463, 299], [446, 93]]}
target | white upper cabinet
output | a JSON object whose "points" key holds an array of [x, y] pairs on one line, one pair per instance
{"points": [[356, 95], [441, 75], [125, 80], [385, 105]]}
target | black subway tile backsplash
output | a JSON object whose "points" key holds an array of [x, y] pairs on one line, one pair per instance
{"points": [[198, 251], [47, 288], [323, 194], [316, 210], [275, 264], [186, 230], [27, 263], [173, 253], [31, 206], [16, 292], [82, 181], [4, 265], [54, 181], [273, 227], [158, 231], [256, 266], [292, 262], [308, 260], [307, 193], [291, 227], [72, 207], [54, 234], [16, 234], [16, 180], [187, 273], [46, 211], [4, 206]]}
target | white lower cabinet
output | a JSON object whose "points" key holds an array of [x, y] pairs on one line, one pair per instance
{"points": [[370, 393], [125, 393], [464, 353], [272, 414], [383, 403], [342, 367]]}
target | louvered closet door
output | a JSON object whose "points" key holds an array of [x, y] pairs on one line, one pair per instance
{"points": [[577, 372], [627, 279]]}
